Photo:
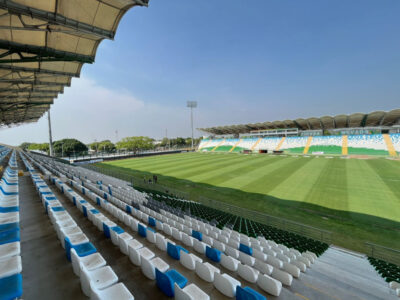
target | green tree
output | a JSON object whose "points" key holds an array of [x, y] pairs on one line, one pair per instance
{"points": [[136, 143], [44, 147], [25, 145], [180, 141], [164, 142], [106, 145], [69, 146], [94, 146], [188, 141]]}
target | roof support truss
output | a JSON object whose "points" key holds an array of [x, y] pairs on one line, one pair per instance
{"points": [[27, 90], [32, 82], [382, 119], [364, 120], [42, 54], [54, 18], [36, 71], [30, 97]]}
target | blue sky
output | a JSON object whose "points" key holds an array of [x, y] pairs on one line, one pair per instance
{"points": [[243, 61]]}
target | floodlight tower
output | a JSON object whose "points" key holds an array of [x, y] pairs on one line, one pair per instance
{"points": [[191, 104], [50, 135]]}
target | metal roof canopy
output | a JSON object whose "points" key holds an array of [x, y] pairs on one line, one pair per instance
{"points": [[43, 43], [373, 119]]}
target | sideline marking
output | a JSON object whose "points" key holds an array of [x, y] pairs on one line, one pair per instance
{"points": [[321, 291], [301, 296]]}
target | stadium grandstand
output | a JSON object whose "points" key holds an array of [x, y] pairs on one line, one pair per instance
{"points": [[376, 133], [72, 232]]}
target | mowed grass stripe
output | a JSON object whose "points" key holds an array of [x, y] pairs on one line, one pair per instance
{"points": [[389, 173], [242, 181], [185, 170], [159, 165], [239, 181], [264, 183], [299, 184], [330, 189], [183, 164], [389, 199], [368, 194], [219, 169], [160, 160], [240, 170]]}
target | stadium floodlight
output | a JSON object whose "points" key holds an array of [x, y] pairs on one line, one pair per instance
{"points": [[50, 135], [191, 104]]}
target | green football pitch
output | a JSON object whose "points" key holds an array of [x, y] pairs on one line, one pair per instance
{"points": [[357, 199]]}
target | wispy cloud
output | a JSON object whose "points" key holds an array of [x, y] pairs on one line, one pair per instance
{"points": [[89, 111]]}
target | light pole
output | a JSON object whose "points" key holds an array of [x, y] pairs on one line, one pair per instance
{"points": [[191, 104], [50, 136]]}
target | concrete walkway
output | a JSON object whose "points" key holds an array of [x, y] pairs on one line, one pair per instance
{"points": [[46, 272], [341, 275]]}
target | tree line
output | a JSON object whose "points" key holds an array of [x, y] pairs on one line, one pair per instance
{"points": [[69, 147]]}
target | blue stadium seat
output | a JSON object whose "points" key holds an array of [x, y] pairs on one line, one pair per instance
{"points": [[152, 222], [11, 287], [246, 249], [165, 281], [248, 293], [81, 249], [175, 251], [213, 254], [117, 229], [9, 236], [142, 230], [9, 227], [197, 235]]}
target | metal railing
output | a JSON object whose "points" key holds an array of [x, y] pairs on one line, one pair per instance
{"points": [[138, 182], [298, 228], [383, 253]]}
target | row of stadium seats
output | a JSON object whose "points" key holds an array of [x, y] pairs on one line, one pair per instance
{"points": [[242, 225], [153, 267], [373, 144], [390, 272], [3, 153], [10, 249], [367, 144], [326, 144], [396, 141], [283, 258], [98, 281]]}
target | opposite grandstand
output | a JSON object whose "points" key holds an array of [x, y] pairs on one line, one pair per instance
{"points": [[376, 133]]}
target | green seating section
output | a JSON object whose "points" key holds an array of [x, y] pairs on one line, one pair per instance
{"points": [[326, 149], [223, 148], [390, 272], [295, 150], [251, 228], [366, 151]]}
